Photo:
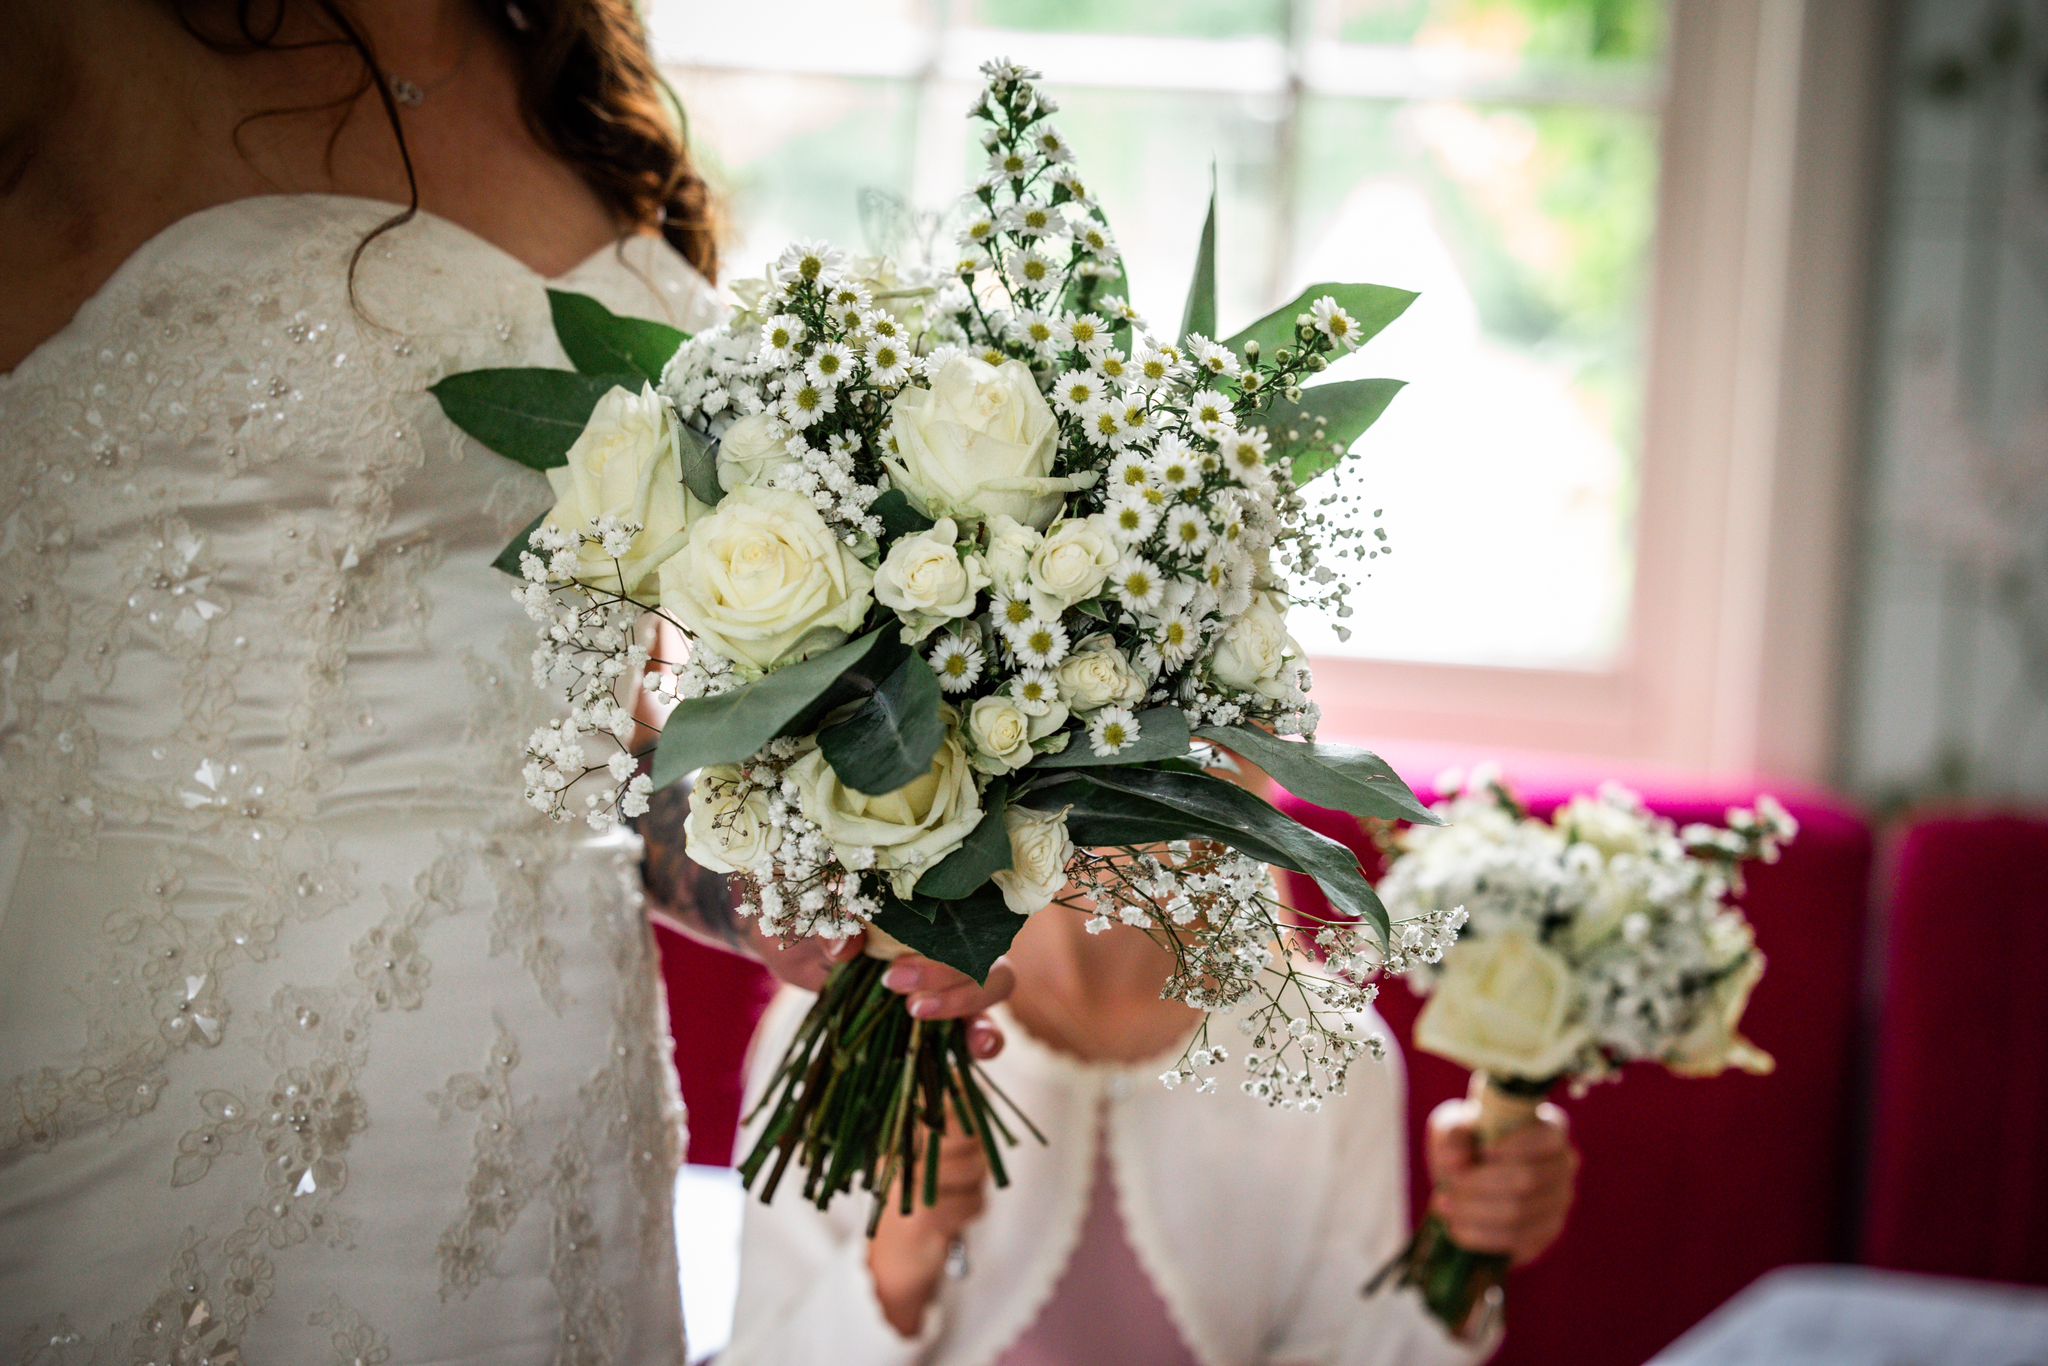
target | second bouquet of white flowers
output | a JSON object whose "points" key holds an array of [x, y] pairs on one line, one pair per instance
{"points": [[1599, 938], [978, 579]]}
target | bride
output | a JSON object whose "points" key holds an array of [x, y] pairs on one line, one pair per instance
{"points": [[314, 1044]]}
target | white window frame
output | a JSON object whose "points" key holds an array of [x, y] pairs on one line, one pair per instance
{"points": [[1752, 382]]}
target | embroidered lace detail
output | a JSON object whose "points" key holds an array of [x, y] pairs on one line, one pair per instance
{"points": [[501, 1176]]}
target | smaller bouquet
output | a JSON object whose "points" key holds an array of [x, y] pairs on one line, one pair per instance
{"points": [[1600, 938]]}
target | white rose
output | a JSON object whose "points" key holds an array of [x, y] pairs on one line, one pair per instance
{"points": [[925, 580], [909, 829], [1610, 828], [1097, 675], [763, 581], [1252, 650], [979, 441], [725, 831], [625, 464], [1011, 545], [751, 450], [1713, 1044], [1072, 563], [1506, 1005], [1040, 850], [1001, 734]]}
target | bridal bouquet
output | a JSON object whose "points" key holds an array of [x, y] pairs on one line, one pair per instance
{"points": [[979, 580], [1599, 938]]}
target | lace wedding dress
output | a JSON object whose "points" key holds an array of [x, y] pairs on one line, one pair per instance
{"points": [[315, 1043]]}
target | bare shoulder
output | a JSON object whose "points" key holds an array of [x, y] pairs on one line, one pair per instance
{"points": [[83, 143]]}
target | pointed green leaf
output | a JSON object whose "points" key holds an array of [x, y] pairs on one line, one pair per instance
{"points": [[1337, 776], [1136, 806], [985, 852], [733, 726], [968, 934], [890, 739], [1162, 734], [700, 465], [508, 558], [600, 342], [899, 518], [1316, 433], [1372, 307], [1200, 313], [530, 415]]}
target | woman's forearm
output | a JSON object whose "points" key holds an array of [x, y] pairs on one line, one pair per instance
{"points": [[682, 893]]}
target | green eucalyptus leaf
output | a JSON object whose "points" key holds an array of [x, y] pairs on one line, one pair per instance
{"points": [[891, 738], [732, 726], [969, 933], [1135, 806], [700, 465], [985, 852], [1200, 313], [1316, 433], [1340, 777], [508, 558], [530, 415], [1162, 734], [899, 518], [1372, 307], [600, 342]]}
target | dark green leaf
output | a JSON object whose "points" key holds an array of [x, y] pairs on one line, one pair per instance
{"points": [[899, 518], [531, 415], [733, 726], [890, 739], [1200, 313], [1134, 806], [1162, 734], [508, 558], [1093, 608], [600, 342], [968, 934], [1372, 307], [700, 465], [1316, 433], [985, 852], [1337, 776]]}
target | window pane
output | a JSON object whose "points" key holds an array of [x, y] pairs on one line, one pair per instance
{"points": [[1181, 18], [1507, 469], [1542, 30]]}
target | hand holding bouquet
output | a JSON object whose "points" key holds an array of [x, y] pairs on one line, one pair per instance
{"points": [[1599, 938], [978, 578]]}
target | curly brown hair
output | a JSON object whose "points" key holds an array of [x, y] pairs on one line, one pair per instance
{"points": [[588, 86]]}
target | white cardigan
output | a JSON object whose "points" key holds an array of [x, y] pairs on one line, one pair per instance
{"points": [[1258, 1226]]}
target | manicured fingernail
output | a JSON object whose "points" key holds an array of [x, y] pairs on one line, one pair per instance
{"points": [[923, 1007], [839, 950], [901, 977], [984, 1042]]}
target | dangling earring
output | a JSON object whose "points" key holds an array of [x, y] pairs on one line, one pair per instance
{"points": [[516, 16]]}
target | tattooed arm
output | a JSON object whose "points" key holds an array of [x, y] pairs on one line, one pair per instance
{"points": [[684, 894]]}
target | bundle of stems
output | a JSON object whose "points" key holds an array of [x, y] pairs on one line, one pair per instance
{"points": [[864, 1093]]}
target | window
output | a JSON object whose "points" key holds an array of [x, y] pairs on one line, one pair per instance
{"points": [[1503, 157]]}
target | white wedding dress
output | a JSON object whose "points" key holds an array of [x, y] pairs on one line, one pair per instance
{"points": [[316, 1044]]}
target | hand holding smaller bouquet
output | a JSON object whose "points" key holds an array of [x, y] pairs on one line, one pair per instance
{"points": [[1507, 1197], [909, 1252]]}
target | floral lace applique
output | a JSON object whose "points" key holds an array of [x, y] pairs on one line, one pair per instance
{"points": [[502, 1177]]}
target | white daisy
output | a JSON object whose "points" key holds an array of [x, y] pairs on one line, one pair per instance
{"points": [[1132, 516], [1036, 691], [1090, 334], [1131, 470], [1210, 414], [1031, 219], [779, 338], [957, 662], [1043, 335], [831, 364], [1333, 322], [804, 403], [813, 261], [1187, 530], [888, 362], [1137, 584], [1214, 357], [1175, 638], [1012, 615], [1112, 731], [1076, 392], [1033, 270], [1174, 465], [1041, 644]]}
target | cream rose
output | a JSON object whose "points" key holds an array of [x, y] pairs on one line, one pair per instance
{"points": [[1072, 563], [979, 441], [1097, 675], [763, 581], [926, 581], [1040, 850], [1253, 650], [1713, 1044], [752, 450], [1011, 545], [625, 464], [1611, 829], [907, 830], [1004, 736], [1506, 1005], [726, 831]]}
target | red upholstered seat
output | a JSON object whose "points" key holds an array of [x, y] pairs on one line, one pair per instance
{"points": [[1957, 1180], [1691, 1189], [714, 1001]]}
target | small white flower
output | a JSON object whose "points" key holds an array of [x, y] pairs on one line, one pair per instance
{"points": [[1111, 731], [1076, 393], [1132, 517], [1214, 357], [1035, 691], [1033, 270], [1333, 322], [888, 362], [779, 338], [957, 662], [1040, 644], [1187, 531], [813, 261], [1138, 584], [831, 364], [1090, 334], [806, 403], [1174, 466], [1210, 414], [1031, 219]]}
